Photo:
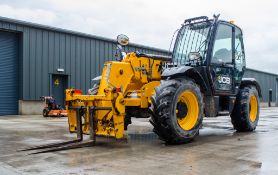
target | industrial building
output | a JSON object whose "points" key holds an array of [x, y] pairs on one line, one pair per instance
{"points": [[38, 60], [268, 82]]}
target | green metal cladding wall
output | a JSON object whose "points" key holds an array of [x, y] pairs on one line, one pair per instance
{"points": [[44, 49]]}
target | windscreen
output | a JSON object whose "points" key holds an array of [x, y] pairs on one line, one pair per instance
{"points": [[191, 38]]}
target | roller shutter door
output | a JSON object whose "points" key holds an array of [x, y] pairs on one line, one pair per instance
{"points": [[8, 73]]}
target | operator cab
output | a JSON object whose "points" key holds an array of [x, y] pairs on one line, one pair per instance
{"points": [[215, 45], [227, 59], [214, 49]]}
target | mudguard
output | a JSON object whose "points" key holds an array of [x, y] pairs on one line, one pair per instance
{"points": [[173, 71], [185, 71], [251, 81]]}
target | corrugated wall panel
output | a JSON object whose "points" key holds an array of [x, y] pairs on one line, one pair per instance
{"points": [[6, 25], [93, 58], [51, 53], [26, 63], [12, 26], [32, 62], [82, 65], [62, 54], [56, 51], [72, 70], [39, 65], [101, 57], [20, 66], [81, 56], [97, 54], [67, 54], [110, 51], [87, 63], [45, 63], [19, 28], [267, 81], [77, 63]]}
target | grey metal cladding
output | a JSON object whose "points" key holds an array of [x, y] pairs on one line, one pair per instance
{"points": [[44, 49], [266, 80]]}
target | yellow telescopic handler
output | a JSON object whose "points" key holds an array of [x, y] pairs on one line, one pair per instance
{"points": [[202, 77]]}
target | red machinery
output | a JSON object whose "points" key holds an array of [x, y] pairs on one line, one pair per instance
{"points": [[51, 109]]}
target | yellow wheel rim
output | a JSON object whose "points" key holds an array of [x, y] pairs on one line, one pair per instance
{"points": [[187, 120], [253, 108]]}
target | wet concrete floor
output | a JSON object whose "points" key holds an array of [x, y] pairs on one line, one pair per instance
{"points": [[218, 149]]}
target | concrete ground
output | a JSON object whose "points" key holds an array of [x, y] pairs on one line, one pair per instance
{"points": [[218, 149]]}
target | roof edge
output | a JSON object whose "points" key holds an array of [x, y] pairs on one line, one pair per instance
{"points": [[270, 73], [57, 29]]}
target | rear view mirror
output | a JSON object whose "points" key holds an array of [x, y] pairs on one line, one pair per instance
{"points": [[122, 40]]}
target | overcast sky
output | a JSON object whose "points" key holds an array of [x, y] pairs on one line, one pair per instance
{"points": [[152, 22]]}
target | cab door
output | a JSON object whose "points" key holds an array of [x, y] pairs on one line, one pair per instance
{"points": [[222, 60], [240, 64]]}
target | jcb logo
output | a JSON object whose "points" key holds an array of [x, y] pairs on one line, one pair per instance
{"points": [[224, 80]]}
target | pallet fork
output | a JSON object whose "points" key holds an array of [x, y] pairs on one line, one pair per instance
{"points": [[72, 144]]}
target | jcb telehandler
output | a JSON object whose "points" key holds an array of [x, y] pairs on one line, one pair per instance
{"points": [[202, 77]]}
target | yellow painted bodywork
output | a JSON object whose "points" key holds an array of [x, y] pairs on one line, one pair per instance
{"points": [[130, 82]]}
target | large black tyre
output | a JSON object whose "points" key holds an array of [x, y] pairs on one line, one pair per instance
{"points": [[169, 110], [245, 115]]}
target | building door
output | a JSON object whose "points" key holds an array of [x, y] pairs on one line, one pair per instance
{"points": [[9, 90], [59, 84]]}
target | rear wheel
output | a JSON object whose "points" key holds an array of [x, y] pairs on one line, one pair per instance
{"points": [[177, 110], [245, 115], [45, 112]]}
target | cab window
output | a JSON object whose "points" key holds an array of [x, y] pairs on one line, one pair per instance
{"points": [[222, 49], [239, 55]]}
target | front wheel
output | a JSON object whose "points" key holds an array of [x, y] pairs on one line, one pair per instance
{"points": [[177, 110], [245, 115]]}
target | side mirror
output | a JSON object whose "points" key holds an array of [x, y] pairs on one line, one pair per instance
{"points": [[194, 56], [122, 40]]}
